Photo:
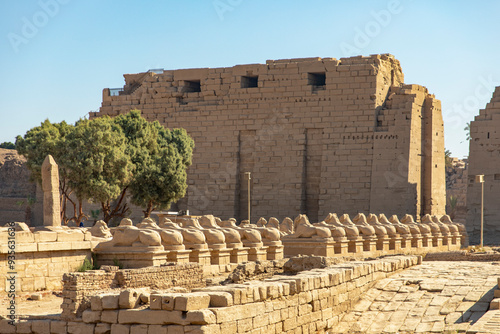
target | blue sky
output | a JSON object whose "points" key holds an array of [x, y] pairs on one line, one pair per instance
{"points": [[57, 55]]}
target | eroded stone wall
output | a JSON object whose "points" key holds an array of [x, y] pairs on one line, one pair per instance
{"points": [[318, 136], [484, 158]]}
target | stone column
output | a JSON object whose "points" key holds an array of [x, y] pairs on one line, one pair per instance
{"points": [[51, 198]]}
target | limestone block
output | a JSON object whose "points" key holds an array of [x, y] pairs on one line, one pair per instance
{"points": [[89, 316], [110, 301], [201, 317], [110, 316], [23, 327], [139, 329], [220, 299], [120, 329], [40, 326], [192, 301], [45, 236], [129, 298], [155, 301], [96, 303], [58, 327], [102, 328], [80, 328], [168, 302], [5, 327], [158, 329]]}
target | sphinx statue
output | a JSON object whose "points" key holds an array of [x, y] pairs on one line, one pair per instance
{"points": [[232, 237], [304, 229]]}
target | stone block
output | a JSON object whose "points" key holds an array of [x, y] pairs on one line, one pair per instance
{"points": [[139, 329], [109, 316], [6, 328], [120, 329], [102, 328], [168, 302], [200, 317], [40, 326], [158, 329], [110, 302], [220, 299], [23, 327], [96, 303], [192, 301], [129, 298], [58, 327], [80, 328], [89, 316]]}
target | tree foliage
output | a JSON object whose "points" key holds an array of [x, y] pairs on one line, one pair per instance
{"points": [[101, 160], [8, 145]]}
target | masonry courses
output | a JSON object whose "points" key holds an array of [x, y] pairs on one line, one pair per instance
{"points": [[318, 135]]}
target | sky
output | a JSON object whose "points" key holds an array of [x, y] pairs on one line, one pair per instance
{"points": [[56, 56]]}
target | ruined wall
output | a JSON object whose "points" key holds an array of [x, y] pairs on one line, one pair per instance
{"points": [[484, 158], [318, 135], [15, 189], [309, 302], [456, 189]]}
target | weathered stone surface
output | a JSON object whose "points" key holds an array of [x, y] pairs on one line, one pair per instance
{"points": [[301, 112], [50, 187]]}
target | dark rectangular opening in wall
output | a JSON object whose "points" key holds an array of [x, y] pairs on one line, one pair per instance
{"points": [[192, 86], [317, 80], [497, 177], [249, 81]]}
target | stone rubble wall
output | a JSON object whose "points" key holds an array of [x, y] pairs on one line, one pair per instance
{"points": [[311, 301], [78, 287]]}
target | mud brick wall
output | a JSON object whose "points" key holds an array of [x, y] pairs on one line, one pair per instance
{"points": [[319, 135], [77, 287], [484, 158]]}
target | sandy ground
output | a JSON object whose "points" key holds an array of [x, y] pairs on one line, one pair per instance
{"points": [[50, 304]]}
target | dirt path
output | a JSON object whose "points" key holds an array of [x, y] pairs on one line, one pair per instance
{"points": [[50, 304]]}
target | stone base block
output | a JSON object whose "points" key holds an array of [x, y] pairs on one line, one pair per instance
{"points": [[275, 252], [395, 245], [132, 259], [370, 245], [239, 255], [355, 246], [383, 245], [417, 242], [178, 256], [201, 256], [220, 256], [257, 253], [341, 247], [309, 246]]}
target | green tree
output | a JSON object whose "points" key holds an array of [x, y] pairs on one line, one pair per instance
{"points": [[98, 167], [8, 145], [161, 158], [37, 143]]}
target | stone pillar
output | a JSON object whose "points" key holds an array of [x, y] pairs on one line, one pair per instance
{"points": [[51, 198]]}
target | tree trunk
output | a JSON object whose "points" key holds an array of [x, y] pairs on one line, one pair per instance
{"points": [[148, 210]]}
